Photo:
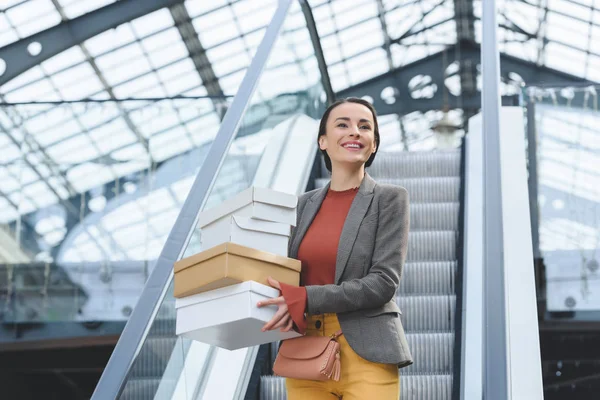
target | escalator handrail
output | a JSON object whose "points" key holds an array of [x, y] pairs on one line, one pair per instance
{"points": [[132, 338]]}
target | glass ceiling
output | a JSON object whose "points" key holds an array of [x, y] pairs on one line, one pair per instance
{"points": [[51, 152]]}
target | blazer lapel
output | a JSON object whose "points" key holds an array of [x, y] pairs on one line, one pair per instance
{"points": [[357, 212], [308, 215]]}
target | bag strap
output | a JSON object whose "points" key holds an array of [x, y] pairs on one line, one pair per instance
{"points": [[336, 334]]}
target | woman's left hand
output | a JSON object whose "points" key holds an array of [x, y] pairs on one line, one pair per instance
{"points": [[282, 319]]}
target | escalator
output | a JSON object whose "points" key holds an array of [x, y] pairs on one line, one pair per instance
{"points": [[427, 292]]}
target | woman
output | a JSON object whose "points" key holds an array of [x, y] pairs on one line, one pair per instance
{"points": [[351, 237]]}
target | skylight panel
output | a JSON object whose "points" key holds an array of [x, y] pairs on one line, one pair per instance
{"points": [[181, 84], [171, 148], [566, 30], [7, 212], [128, 70], [135, 153], [57, 133], [332, 50], [40, 194], [37, 24], [29, 12], [176, 70], [400, 19], [593, 68], [233, 47], [29, 92], [167, 55], [196, 7], [367, 36], [257, 16], [158, 201], [253, 39], [182, 188], [565, 59], [525, 15], [112, 39], [129, 237], [79, 73], [526, 51], [112, 136], [95, 115], [153, 91], [64, 60], [73, 150], [339, 77], [76, 8], [361, 70], [219, 34], [161, 40], [133, 87], [164, 221], [154, 22], [231, 64], [8, 181], [230, 83], [25, 204], [47, 120], [355, 17], [120, 56], [166, 120], [82, 89], [7, 33], [570, 8]]}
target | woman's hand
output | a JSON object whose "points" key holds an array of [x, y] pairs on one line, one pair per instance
{"points": [[282, 319]]}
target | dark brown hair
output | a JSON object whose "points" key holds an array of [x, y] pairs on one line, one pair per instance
{"points": [[323, 127]]}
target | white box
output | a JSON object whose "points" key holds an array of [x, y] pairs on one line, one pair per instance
{"points": [[257, 203], [228, 317], [271, 237]]}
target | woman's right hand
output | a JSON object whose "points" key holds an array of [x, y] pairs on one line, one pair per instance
{"points": [[282, 319]]}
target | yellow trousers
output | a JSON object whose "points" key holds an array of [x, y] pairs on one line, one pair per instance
{"points": [[360, 379]]}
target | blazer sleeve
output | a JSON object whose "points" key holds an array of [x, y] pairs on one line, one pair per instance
{"points": [[380, 284]]}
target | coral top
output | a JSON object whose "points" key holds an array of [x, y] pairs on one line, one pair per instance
{"points": [[318, 252]]}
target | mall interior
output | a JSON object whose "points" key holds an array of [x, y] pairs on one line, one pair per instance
{"points": [[121, 121]]}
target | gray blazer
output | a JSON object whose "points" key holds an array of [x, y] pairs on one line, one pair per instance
{"points": [[370, 258]]}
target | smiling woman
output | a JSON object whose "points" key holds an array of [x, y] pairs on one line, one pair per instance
{"points": [[349, 133], [351, 237]]}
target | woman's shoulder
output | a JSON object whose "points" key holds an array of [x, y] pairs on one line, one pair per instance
{"points": [[389, 191]]}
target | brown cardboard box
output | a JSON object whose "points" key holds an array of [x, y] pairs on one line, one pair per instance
{"points": [[228, 264]]}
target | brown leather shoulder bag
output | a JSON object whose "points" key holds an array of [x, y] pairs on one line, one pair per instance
{"points": [[314, 358]]}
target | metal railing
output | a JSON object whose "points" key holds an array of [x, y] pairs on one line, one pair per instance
{"points": [[112, 381]]}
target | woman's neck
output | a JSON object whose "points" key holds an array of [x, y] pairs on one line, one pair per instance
{"points": [[344, 179]]}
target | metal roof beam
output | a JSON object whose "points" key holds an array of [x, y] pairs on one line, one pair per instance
{"points": [[197, 53], [73, 32], [315, 38], [433, 66]]}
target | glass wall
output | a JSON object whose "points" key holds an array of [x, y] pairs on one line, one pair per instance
{"points": [[289, 88], [568, 159]]}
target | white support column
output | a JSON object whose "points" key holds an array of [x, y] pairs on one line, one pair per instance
{"points": [[525, 365]]}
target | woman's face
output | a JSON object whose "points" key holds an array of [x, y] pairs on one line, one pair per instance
{"points": [[350, 137]]}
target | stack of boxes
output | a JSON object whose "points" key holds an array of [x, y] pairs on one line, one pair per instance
{"points": [[244, 241]]}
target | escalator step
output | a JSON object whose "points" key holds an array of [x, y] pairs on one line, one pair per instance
{"points": [[415, 164], [434, 216], [431, 246], [140, 388], [412, 387], [422, 190], [153, 357], [427, 313], [432, 352], [428, 278]]}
